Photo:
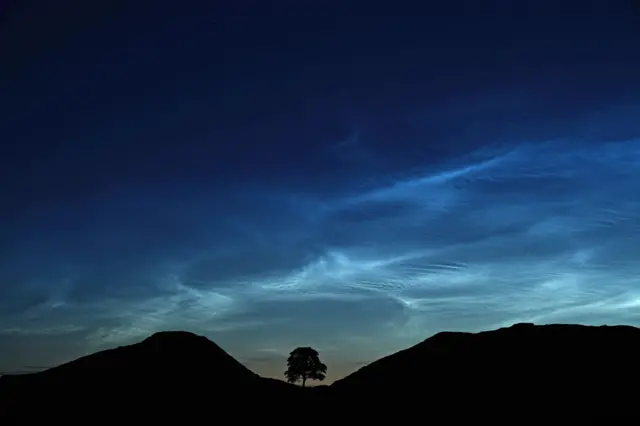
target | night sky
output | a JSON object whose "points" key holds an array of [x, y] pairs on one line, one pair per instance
{"points": [[349, 175]]}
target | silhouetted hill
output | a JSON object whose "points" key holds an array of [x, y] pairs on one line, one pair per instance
{"points": [[511, 375], [169, 354], [547, 368], [174, 368]]}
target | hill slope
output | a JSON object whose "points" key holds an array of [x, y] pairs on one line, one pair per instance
{"points": [[549, 367], [175, 368]]}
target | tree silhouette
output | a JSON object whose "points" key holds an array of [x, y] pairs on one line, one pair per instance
{"points": [[303, 364]]}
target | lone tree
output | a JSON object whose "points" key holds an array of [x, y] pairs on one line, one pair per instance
{"points": [[303, 364]]}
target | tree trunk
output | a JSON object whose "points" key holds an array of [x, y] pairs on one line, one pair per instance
{"points": [[304, 381]]}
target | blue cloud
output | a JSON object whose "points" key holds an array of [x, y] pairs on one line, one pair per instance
{"points": [[536, 231]]}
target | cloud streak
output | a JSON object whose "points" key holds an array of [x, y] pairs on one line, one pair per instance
{"points": [[533, 231]]}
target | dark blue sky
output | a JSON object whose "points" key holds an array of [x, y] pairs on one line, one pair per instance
{"points": [[348, 175]]}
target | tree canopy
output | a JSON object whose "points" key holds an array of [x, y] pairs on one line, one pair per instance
{"points": [[304, 364]]}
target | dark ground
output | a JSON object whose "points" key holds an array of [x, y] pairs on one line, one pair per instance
{"points": [[524, 374]]}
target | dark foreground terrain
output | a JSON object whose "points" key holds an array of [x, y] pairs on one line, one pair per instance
{"points": [[524, 374]]}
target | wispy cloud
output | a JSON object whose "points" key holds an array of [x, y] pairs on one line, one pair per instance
{"points": [[533, 231]]}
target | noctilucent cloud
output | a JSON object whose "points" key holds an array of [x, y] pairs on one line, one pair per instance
{"points": [[294, 175]]}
